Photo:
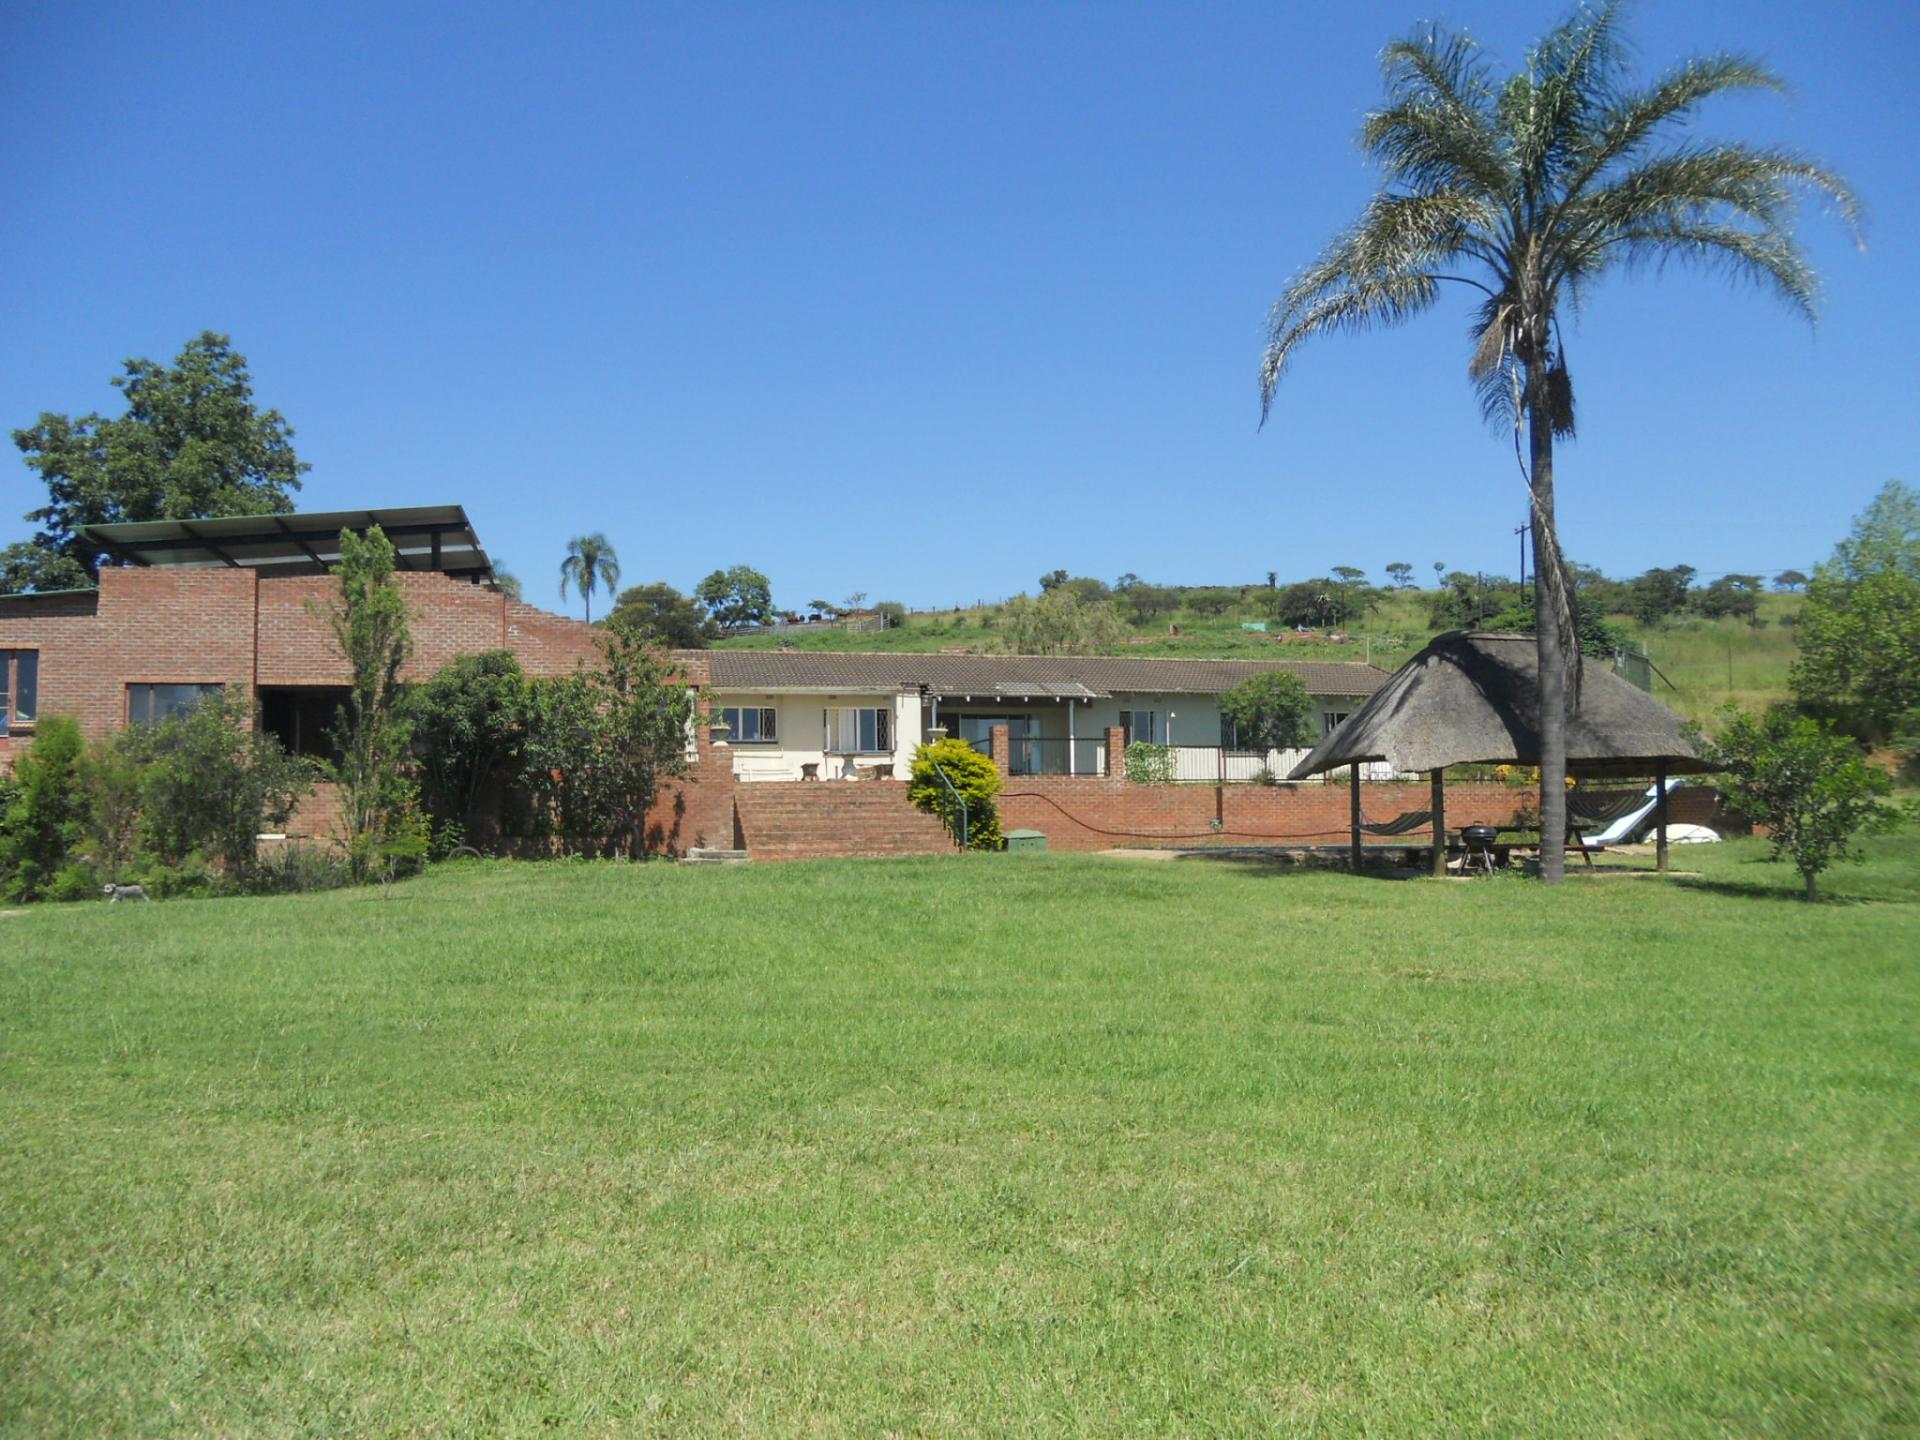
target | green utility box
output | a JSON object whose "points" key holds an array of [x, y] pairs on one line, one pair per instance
{"points": [[1026, 840]]}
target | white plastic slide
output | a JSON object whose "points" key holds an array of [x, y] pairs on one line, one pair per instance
{"points": [[1630, 823]]}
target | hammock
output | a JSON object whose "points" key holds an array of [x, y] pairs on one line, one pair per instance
{"points": [[1401, 824]]}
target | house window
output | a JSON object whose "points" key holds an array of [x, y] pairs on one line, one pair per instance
{"points": [[751, 725], [1143, 727], [1331, 720], [150, 704], [855, 730], [19, 688]]}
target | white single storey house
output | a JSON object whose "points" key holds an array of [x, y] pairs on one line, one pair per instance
{"points": [[793, 715]]}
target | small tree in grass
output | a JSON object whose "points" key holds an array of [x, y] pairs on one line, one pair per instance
{"points": [[369, 622], [1269, 712], [976, 779], [1810, 787]]}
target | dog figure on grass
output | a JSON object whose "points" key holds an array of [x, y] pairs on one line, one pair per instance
{"points": [[116, 893]]}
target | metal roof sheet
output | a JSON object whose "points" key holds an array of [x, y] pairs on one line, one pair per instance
{"points": [[425, 537]]}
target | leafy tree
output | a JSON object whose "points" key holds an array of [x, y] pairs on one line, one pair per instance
{"points": [[1325, 603], [191, 444], [1859, 660], [210, 782], [1053, 580], [33, 565], [737, 596], [1210, 600], [1530, 189], [1885, 536], [1126, 582], [662, 614], [856, 599], [974, 777], [591, 561], [1659, 594], [1146, 603], [1401, 573], [1735, 595], [1088, 590], [1810, 787], [1348, 574], [1060, 623], [892, 614], [368, 618], [47, 814], [507, 583], [1789, 580], [1270, 711], [1859, 631], [598, 743], [467, 724], [1273, 579]]}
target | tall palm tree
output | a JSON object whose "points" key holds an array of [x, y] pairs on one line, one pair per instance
{"points": [[590, 559], [1535, 187]]}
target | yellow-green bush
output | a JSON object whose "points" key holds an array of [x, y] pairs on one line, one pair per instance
{"points": [[972, 774]]}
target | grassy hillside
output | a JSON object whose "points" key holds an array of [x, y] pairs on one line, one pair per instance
{"points": [[997, 1145], [1708, 662]]}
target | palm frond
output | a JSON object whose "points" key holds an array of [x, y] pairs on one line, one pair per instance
{"points": [[1769, 258], [1436, 132], [1635, 118], [1380, 271], [1363, 303]]}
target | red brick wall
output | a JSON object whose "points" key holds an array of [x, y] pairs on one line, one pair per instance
{"points": [[1097, 813]]}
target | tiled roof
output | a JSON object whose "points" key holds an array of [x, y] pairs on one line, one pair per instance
{"points": [[1026, 675]]}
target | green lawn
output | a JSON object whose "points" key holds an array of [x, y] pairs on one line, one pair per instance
{"points": [[993, 1145]]}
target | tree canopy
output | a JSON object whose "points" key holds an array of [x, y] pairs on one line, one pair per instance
{"points": [[660, 613], [736, 596], [192, 444], [592, 563]]}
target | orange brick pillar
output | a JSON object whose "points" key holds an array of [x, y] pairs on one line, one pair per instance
{"points": [[1001, 748], [1116, 753]]}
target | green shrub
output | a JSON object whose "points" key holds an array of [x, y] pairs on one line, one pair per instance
{"points": [[972, 775], [77, 881], [1149, 764], [210, 784], [48, 813]]}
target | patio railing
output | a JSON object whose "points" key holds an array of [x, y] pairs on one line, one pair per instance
{"points": [[1035, 755]]}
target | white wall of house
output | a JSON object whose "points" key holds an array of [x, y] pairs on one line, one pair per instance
{"points": [[800, 729], [800, 735]]}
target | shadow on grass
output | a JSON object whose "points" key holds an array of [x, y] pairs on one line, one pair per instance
{"points": [[1760, 890]]}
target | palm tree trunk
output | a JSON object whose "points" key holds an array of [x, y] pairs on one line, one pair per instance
{"points": [[1549, 610]]}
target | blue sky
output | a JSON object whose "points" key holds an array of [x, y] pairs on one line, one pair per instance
{"points": [[920, 300]]}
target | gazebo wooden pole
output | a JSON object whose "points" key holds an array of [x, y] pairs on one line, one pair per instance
{"points": [[1353, 810], [1439, 822], [1660, 818]]}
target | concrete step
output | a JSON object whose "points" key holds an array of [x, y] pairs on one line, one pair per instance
{"points": [[699, 856]]}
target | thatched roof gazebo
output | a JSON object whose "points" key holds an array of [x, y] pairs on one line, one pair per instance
{"points": [[1474, 699]]}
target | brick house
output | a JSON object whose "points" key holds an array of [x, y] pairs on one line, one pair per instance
{"points": [[199, 604]]}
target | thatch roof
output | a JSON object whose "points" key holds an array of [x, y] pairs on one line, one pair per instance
{"points": [[1475, 699]]}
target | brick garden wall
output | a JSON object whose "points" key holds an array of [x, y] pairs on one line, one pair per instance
{"points": [[1099, 812]]}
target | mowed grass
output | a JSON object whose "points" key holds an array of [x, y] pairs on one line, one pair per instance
{"points": [[996, 1145]]}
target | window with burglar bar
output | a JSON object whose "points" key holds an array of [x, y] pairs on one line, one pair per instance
{"points": [[856, 730], [750, 725]]}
